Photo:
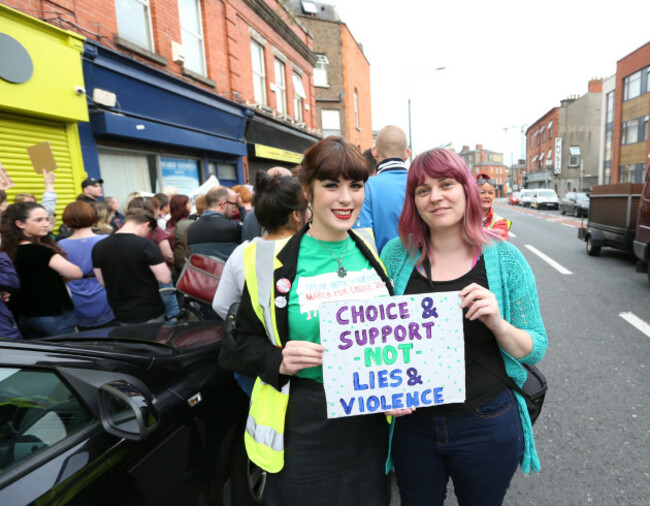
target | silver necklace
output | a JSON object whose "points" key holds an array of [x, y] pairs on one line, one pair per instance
{"points": [[341, 272]]}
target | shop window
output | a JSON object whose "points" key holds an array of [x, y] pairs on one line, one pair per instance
{"points": [[179, 173], [259, 75], [127, 172], [225, 172], [134, 22], [298, 97], [320, 71], [192, 35], [280, 88], [331, 122]]}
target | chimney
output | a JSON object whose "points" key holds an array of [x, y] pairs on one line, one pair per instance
{"points": [[479, 147], [596, 85], [465, 149]]}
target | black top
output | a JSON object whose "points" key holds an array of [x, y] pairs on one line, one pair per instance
{"points": [[131, 287], [42, 290], [481, 386], [214, 234]]}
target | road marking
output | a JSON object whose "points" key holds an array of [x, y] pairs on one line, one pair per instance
{"points": [[636, 322], [549, 260], [511, 234]]}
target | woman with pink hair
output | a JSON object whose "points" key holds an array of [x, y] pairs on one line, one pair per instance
{"points": [[442, 246]]}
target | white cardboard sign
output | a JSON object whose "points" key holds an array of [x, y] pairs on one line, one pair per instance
{"points": [[392, 352]]}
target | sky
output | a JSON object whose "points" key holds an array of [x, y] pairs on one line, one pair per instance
{"points": [[506, 62]]}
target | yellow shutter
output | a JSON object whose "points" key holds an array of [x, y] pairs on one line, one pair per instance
{"points": [[19, 132]]}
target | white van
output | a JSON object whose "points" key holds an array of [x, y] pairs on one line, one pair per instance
{"points": [[525, 197], [545, 199]]}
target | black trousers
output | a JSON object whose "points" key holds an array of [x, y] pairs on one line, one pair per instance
{"points": [[339, 461]]}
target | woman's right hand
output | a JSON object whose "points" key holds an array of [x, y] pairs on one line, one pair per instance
{"points": [[298, 355]]}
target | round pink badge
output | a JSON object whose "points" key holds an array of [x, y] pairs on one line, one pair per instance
{"points": [[283, 285]]}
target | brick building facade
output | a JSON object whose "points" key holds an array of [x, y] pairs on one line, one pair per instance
{"points": [[342, 76], [630, 143], [178, 90], [483, 161]]}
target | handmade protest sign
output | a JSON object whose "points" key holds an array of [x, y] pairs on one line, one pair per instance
{"points": [[392, 352]]}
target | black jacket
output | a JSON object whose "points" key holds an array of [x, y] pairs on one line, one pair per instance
{"points": [[214, 234], [252, 342]]}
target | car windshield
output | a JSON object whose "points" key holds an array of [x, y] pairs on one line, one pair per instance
{"points": [[582, 196], [516, 194], [547, 193]]}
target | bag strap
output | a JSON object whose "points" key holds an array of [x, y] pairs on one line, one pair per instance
{"points": [[478, 354]]}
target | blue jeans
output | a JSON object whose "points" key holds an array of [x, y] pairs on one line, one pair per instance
{"points": [[479, 450], [34, 327], [170, 301]]}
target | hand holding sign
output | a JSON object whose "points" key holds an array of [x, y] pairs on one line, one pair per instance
{"points": [[299, 355], [481, 303]]}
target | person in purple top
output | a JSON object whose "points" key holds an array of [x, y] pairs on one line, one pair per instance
{"points": [[9, 282], [89, 297]]}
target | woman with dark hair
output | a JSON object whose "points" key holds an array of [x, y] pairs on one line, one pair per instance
{"points": [[281, 208], [44, 304], [442, 246], [89, 297], [491, 220], [309, 458]]}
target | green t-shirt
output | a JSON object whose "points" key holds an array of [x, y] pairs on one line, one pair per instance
{"points": [[317, 282]]}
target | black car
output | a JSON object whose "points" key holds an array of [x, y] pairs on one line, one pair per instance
{"points": [[128, 415], [575, 203]]}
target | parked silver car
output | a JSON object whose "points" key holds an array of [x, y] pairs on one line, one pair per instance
{"points": [[525, 197], [544, 199]]}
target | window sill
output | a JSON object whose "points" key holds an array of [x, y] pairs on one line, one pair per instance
{"points": [[198, 77], [321, 85], [145, 53]]}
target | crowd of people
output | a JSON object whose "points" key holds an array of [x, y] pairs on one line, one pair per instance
{"points": [[339, 218]]}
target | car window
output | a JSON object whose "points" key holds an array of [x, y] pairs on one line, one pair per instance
{"points": [[37, 410], [546, 193]]}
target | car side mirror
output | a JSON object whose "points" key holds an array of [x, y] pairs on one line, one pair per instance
{"points": [[125, 411]]}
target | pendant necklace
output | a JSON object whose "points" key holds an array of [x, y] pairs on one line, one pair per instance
{"points": [[341, 272]]}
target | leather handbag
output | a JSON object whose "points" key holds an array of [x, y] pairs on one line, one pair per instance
{"points": [[533, 390], [229, 359], [200, 277]]}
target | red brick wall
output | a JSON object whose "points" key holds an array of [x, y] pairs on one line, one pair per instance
{"points": [[626, 66], [356, 76], [225, 34]]}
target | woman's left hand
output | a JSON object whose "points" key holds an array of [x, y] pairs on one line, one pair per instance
{"points": [[481, 304]]}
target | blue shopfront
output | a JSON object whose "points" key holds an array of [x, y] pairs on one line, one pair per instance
{"points": [[150, 131]]}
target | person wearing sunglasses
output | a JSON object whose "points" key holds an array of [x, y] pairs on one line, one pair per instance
{"points": [[491, 220]]}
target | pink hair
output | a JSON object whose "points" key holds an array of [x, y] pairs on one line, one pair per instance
{"points": [[441, 163]]}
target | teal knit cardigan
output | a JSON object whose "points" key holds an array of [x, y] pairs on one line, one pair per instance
{"points": [[511, 280]]}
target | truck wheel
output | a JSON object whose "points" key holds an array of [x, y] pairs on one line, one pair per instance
{"points": [[592, 251], [576, 213]]}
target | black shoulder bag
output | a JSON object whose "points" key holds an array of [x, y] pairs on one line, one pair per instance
{"points": [[229, 359], [534, 388]]}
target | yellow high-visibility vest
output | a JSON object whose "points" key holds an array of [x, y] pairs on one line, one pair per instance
{"points": [[264, 435]]}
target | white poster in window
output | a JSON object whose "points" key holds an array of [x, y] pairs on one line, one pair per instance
{"points": [[180, 173], [386, 353]]}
